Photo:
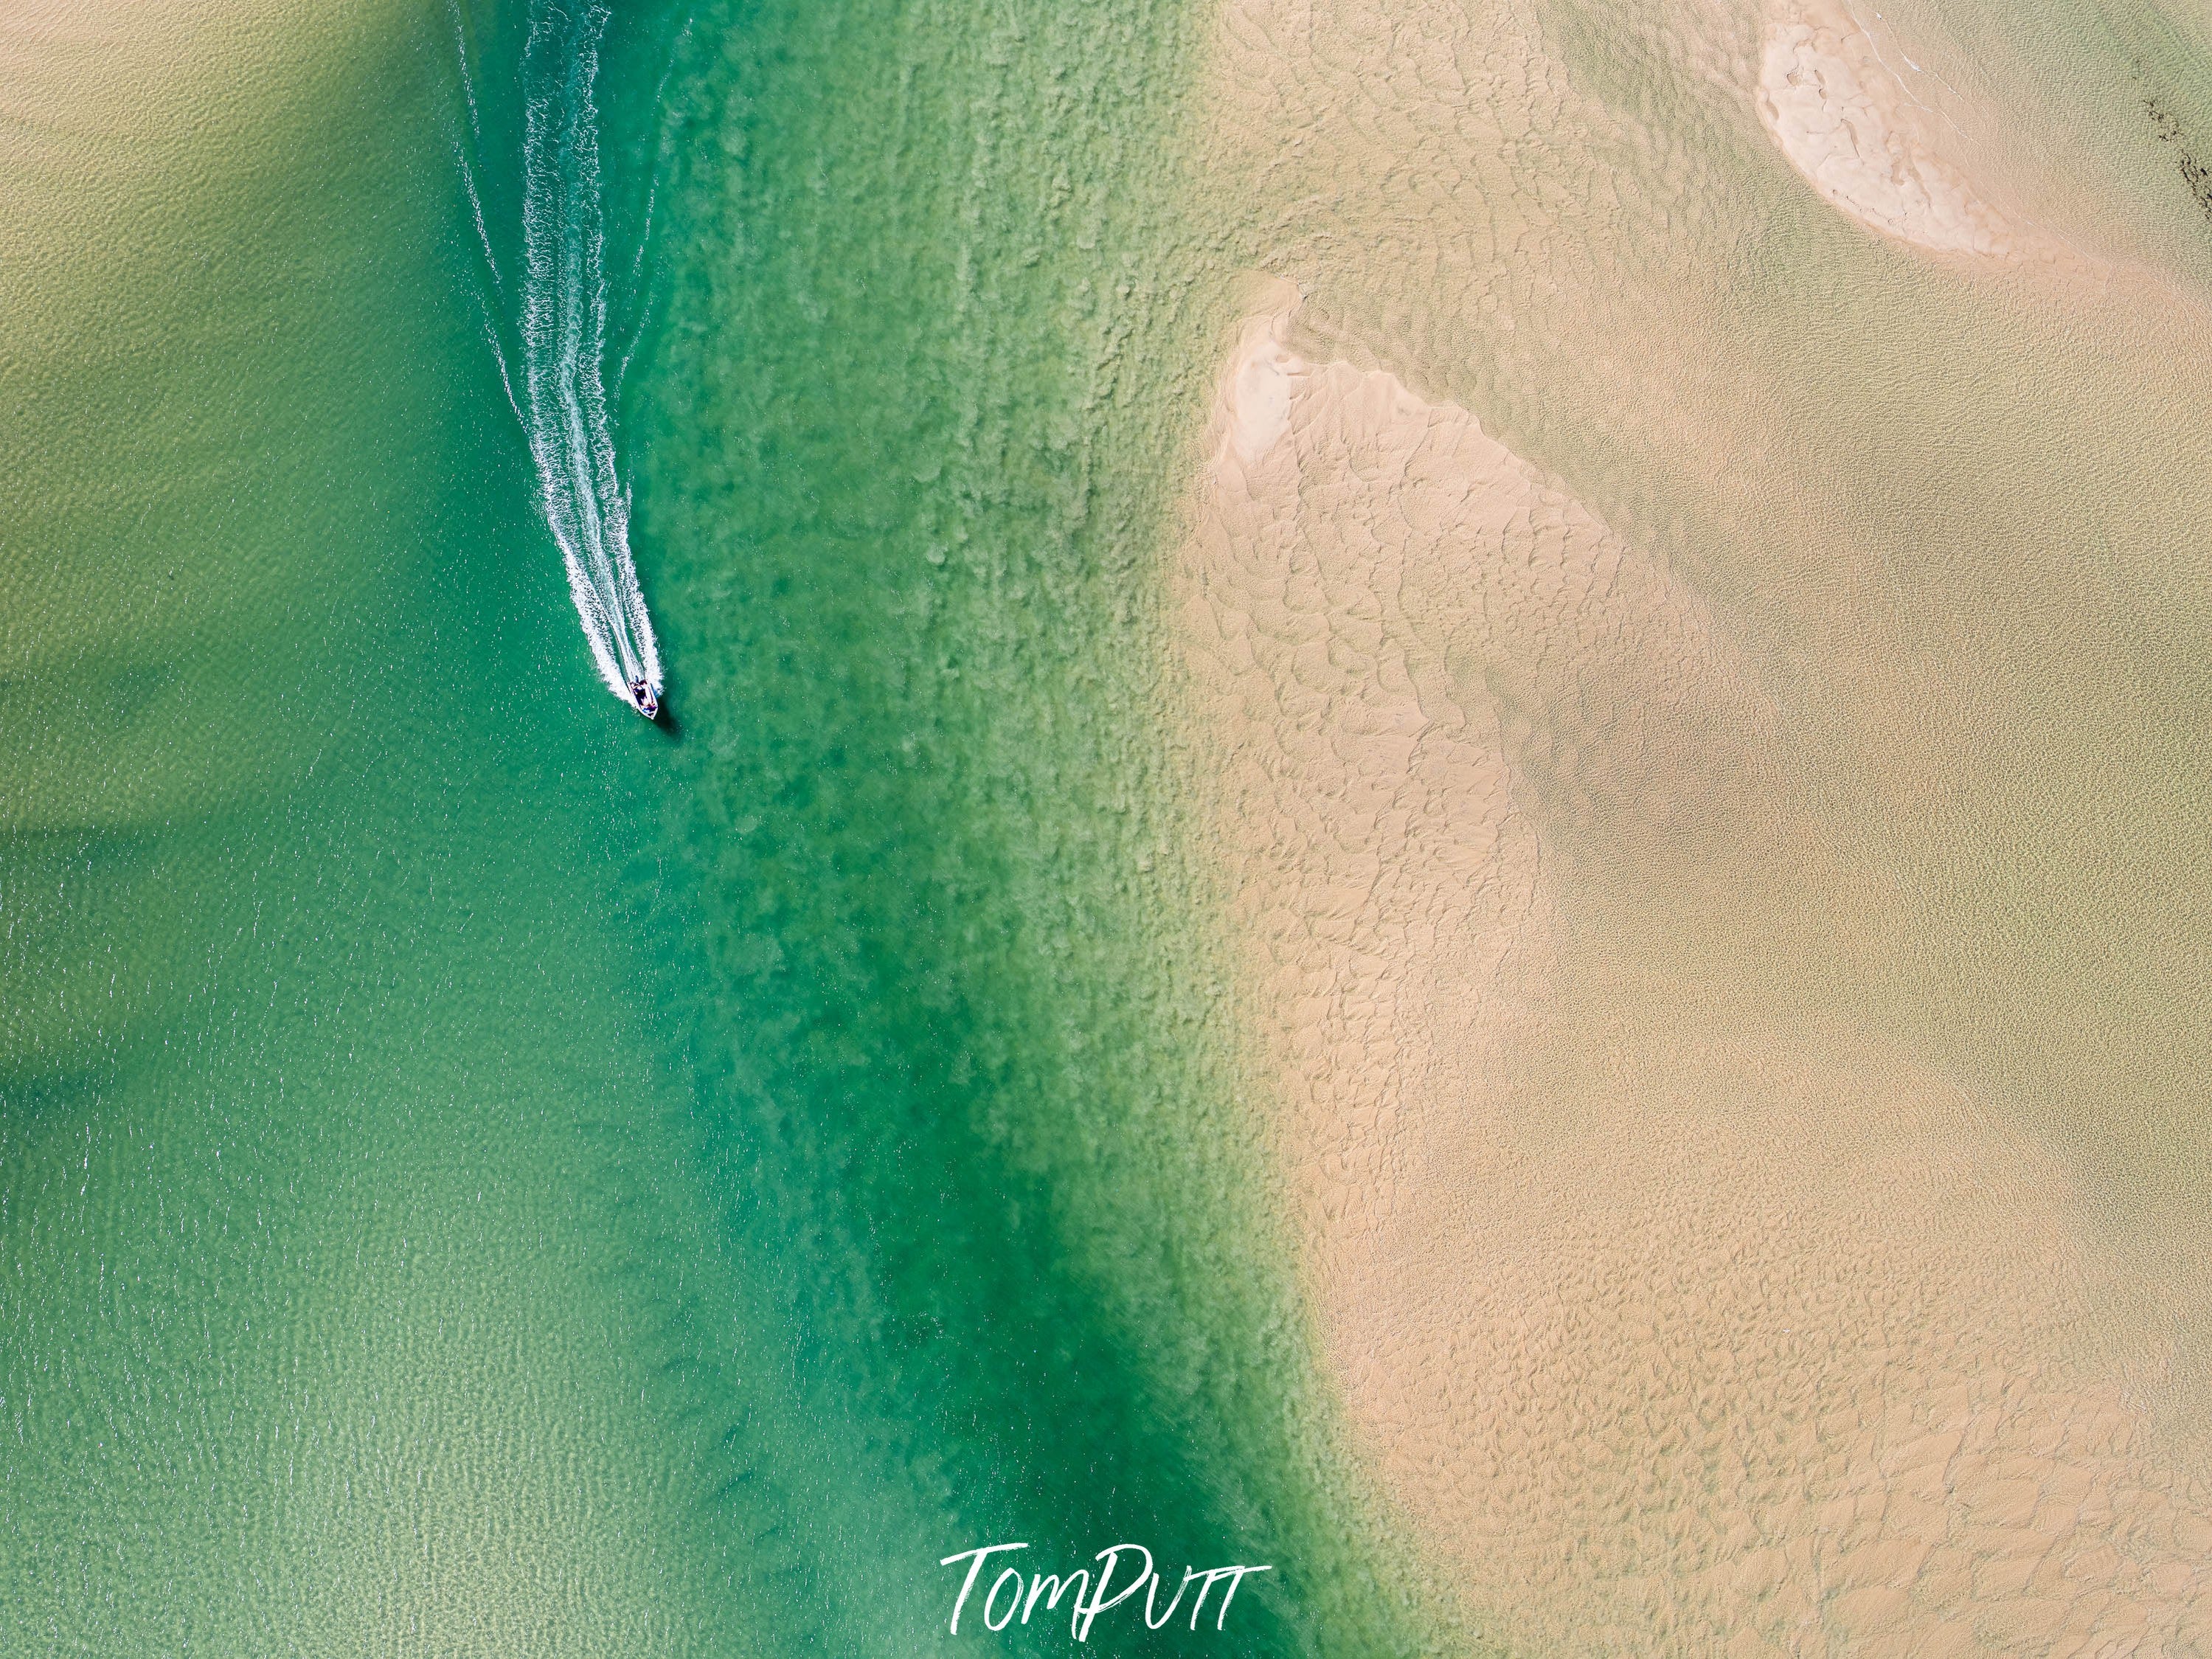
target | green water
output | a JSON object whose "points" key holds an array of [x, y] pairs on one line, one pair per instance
{"points": [[480, 1174]]}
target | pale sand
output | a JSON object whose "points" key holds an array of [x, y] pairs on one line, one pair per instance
{"points": [[1852, 119], [1862, 109], [1724, 1342]]}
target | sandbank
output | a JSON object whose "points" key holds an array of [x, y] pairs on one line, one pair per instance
{"points": [[1733, 1345]]}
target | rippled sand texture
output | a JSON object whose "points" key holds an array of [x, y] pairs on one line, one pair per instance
{"points": [[1853, 123], [1694, 695]]}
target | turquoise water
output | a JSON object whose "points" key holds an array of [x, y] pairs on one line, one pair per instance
{"points": [[480, 1173]]}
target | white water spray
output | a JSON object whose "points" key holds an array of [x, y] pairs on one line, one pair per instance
{"points": [[561, 334]]}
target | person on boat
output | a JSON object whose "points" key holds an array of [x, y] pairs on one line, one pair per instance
{"points": [[648, 701]]}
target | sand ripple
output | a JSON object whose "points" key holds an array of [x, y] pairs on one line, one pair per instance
{"points": [[1672, 1331], [1851, 123]]}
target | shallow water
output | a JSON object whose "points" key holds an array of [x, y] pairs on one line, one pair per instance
{"points": [[1670, 1026], [483, 1173], [319, 1018]]}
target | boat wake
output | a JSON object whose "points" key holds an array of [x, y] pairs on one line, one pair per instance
{"points": [[560, 337]]}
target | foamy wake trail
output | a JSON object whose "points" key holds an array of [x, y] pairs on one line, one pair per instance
{"points": [[562, 333]]}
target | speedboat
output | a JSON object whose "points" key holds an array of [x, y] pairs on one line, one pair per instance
{"points": [[645, 697]]}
